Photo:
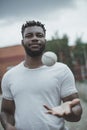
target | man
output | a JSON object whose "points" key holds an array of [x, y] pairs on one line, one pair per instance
{"points": [[32, 92]]}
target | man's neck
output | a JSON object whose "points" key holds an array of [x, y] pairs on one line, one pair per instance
{"points": [[33, 62]]}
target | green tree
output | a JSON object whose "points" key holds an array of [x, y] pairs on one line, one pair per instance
{"points": [[80, 51], [61, 48]]}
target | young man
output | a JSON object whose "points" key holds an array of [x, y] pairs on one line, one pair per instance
{"points": [[32, 92]]}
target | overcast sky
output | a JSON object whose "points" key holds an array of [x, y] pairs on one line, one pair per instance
{"points": [[62, 16]]}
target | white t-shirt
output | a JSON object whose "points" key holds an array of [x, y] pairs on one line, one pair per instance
{"points": [[32, 88]]}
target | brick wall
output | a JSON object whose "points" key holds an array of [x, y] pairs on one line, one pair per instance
{"points": [[10, 56]]}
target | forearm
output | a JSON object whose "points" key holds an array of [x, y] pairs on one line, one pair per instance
{"points": [[69, 110], [6, 119], [75, 114]]}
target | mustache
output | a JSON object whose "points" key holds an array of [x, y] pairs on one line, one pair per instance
{"points": [[36, 43]]}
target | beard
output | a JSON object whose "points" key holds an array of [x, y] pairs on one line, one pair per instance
{"points": [[34, 53]]}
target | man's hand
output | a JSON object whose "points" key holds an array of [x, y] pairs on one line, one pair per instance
{"points": [[64, 109]]}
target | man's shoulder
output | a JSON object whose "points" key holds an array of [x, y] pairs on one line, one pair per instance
{"points": [[60, 65], [13, 69]]}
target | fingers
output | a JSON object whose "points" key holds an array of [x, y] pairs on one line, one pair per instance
{"points": [[63, 109], [47, 107], [57, 111], [49, 110]]}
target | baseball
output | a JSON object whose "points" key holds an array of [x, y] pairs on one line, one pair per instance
{"points": [[49, 58]]}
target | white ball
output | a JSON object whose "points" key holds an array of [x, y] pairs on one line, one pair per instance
{"points": [[49, 58]]}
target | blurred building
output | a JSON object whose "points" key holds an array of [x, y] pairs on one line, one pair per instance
{"points": [[9, 57], [12, 55]]}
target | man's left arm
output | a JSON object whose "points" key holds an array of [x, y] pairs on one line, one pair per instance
{"points": [[75, 108], [70, 109]]}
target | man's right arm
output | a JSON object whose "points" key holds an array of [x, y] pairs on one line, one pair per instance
{"points": [[7, 114]]}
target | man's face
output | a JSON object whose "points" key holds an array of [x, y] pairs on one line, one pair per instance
{"points": [[34, 41]]}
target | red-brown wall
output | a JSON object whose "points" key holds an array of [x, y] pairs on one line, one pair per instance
{"points": [[10, 56]]}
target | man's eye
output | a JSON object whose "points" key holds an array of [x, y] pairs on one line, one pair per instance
{"points": [[29, 35], [40, 35]]}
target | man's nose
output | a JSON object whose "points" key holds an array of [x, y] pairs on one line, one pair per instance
{"points": [[35, 38]]}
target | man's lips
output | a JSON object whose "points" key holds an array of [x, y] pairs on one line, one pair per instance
{"points": [[34, 46]]}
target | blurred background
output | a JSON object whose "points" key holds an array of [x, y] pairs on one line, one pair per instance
{"points": [[66, 32]]}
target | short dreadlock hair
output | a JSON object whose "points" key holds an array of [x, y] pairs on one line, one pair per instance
{"points": [[32, 23]]}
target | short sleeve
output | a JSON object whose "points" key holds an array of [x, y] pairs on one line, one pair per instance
{"points": [[68, 83], [5, 86]]}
